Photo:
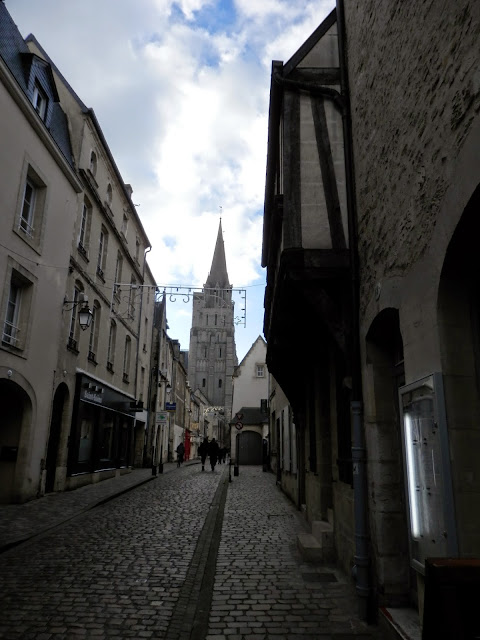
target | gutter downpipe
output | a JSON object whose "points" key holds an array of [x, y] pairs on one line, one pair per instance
{"points": [[361, 570]]}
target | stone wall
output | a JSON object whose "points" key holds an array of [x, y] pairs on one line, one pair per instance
{"points": [[414, 81]]}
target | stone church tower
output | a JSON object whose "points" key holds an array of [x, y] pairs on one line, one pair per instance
{"points": [[212, 354]]}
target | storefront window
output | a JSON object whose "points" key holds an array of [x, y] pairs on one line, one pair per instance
{"points": [[86, 435], [106, 436], [123, 441]]}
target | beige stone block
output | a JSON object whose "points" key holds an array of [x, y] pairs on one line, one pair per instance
{"points": [[309, 547]]}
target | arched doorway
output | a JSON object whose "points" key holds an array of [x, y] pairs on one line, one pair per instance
{"points": [[250, 448], [387, 499], [459, 333], [58, 408], [16, 414]]}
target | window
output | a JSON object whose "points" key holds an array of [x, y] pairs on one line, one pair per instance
{"points": [[102, 253], [137, 249], [93, 163], [93, 340], [17, 298], [118, 274], [260, 371], [109, 194], [84, 233], [203, 382], [39, 101], [219, 383], [31, 207], [126, 358], [145, 338], [142, 383], [219, 352], [112, 336], [11, 328], [28, 209], [131, 298], [124, 228], [205, 352], [72, 343]]}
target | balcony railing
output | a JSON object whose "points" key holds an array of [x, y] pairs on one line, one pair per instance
{"points": [[72, 345], [10, 334]]}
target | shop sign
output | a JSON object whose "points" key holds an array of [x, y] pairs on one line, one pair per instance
{"points": [[161, 417], [170, 406], [92, 396]]}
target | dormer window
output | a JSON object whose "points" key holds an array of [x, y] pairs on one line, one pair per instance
{"points": [[39, 101]]}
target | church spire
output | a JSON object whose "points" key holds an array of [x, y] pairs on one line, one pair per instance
{"points": [[218, 275]]}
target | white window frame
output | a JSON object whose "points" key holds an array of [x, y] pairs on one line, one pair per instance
{"points": [[74, 331], [102, 252], [126, 358], [118, 273], [112, 338], [11, 325], [39, 100], [83, 234], [27, 213], [260, 370]]}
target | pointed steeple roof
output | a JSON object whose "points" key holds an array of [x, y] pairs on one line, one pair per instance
{"points": [[218, 271]]}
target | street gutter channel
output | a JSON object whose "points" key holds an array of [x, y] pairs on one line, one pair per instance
{"points": [[190, 615]]}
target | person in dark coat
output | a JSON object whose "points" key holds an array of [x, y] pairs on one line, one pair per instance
{"points": [[203, 451], [213, 451], [180, 453]]}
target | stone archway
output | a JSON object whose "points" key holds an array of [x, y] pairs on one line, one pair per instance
{"points": [[387, 500], [458, 314], [16, 414]]}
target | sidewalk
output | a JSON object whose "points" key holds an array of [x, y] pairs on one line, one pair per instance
{"points": [[20, 522]]}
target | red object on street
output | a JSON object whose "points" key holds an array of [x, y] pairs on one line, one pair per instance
{"points": [[187, 444]]}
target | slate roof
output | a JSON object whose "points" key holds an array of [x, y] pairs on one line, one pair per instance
{"points": [[251, 416], [20, 61], [218, 272]]}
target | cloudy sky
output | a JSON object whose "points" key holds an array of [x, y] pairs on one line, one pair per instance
{"points": [[181, 92]]}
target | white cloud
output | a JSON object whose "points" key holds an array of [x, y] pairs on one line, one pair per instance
{"points": [[184, 107]]}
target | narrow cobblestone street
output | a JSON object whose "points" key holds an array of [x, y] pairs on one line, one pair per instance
{"points": [[187, 555]]}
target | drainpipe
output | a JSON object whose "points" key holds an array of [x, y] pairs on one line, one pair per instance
{"points": [[359, 457]]}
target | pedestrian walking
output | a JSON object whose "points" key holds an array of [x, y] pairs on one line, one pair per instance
{"points": [[213, 450], [224, 455], [180, 453], [203, 451]]}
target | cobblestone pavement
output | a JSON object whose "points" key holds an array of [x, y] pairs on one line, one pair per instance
{"points": [[186, 556], [263, 589]]}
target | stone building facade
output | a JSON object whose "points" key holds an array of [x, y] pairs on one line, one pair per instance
{"points": [[212, 353], [100, 372], [250, 398], [40, 196], [73, 244], [387, 411]]}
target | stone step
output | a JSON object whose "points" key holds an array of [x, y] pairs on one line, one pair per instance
{"points": [[323, 532], [309, 547]]}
